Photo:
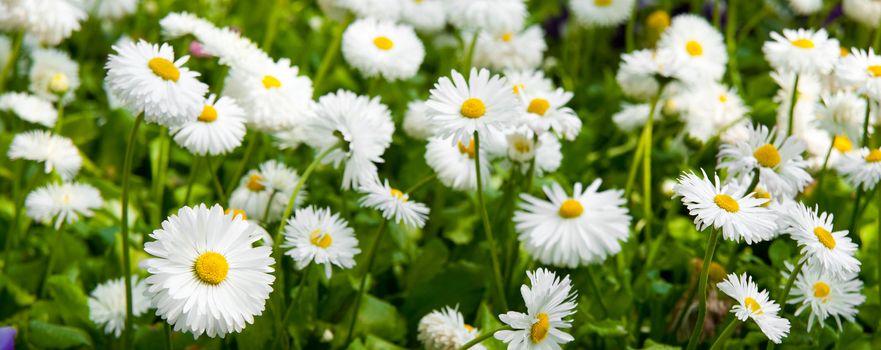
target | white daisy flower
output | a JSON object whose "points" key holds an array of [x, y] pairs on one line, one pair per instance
{"points": [[53, 73], [383, 48], [512, 50], [866, 12], [725, 207], [638, 73], [107, 304], [861, 69], [207, 277], [601, 13], [379, 9], [493, 16], [264, 235], [547, 111], [528, 80], [804, 114], [802, 51], [806, 7], [521, 148], [362, 125], [483, 104], [862, 167], [112, 9], [572, 231], [826, 295], [833, 252], [697, 48], [417, 123], [393, 204], [50, 21], [148, 80], [62, 203], [752, 304], [272, 185], [549, 302], [454, 163], [446, 329], [777, 158], [57, 152], [227, 44], [710, 108], [424, 15], [842, 114], [219, 129], [321, 237], [29, 108], [633, 116], [273, 96]]}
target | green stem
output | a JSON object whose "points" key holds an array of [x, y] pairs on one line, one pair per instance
{"points": [[856, 213], [60, 120], [216, 180], [822, 174], [425, 180], [731, 45], [788, 287], [160, 174], [479, 339], [494, 255], [290, 311], [292, 200], [634, 165], [878, 237], [591, 279], [268, 206], [126, 256], [330, 55], [469, 55], [720, 340], [702, 290], [272, 25], [371, 258], [792, 101], [629, 30], [865, 140], [530, 172], [648, 214], [249, 153], [53, 249], [191, 179], [717, 14], [13, 58], [168, 333]]}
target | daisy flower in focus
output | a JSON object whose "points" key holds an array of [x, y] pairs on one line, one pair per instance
{"points": [[219, 129], [725, 207], [572, 231], [57, 152], [29, 108], [446, 329], [53, 74], [697, 48], [493, 16], [777, 158], [866, 12], [549, 301], [862, 167], [206, 276], [321, 237], [50, 21], [454, 163], [511, 50], [831, 251], [383, 48], [528, 79], [806, 7], [545, 111], [802, 51], [755, 305], [483, 103], [107, 304], [359, 126], [272, 94], [861, 69], [393, 204], [826, 295], [601, 13], [264, 193], [148, 80], [62, 203], [424, 15], [417, 124]]}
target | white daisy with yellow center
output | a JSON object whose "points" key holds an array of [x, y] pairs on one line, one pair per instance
{"points": [[58, 153], [696, 47], [544, 111], [549, 302], [383, 49], [264, 192], [826, 295], [639, 71], [62, 203], [822, 247], [53, 73], [841, 115], [528, 80], [512, 50], [861, 70], [107, 304], [802, 51], [454, 163], [519, 147], [206, 276], [445, 329], [424, 15], [393, 204], [318, 236], [601, 13], [755, 305], [219, 129], [861, 167], [710, 109], [777, 158], [273, 94]]}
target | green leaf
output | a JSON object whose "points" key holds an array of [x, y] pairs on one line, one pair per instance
{"points": [[607, 328], [486, 322], [70, 300], [378, 317], [779, 252], [47, 335], [651, 345], [429, 263], [19, 294]]}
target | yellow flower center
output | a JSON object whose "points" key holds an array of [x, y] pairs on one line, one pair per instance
{"points": [[320, 240], [209, 114], [658, 21], [473, 108], [65, 199], [875, 71], [843, 51], [398, 194], [468, 327], [725, 201], [602, 3], [539, 330], [237, 212], [467, 150], [767, 155], [164, 69], [723, 98], [211, 268], [753, 305], [842, 143], [507, 36], [522, 146], [59, 83], [538, 106], [571, 209], [803, 43], [517, 88], [270, 82], [694, 48], [383, 43], [821, 290], [825, 237], [874, 156], [761, 193], [255, 183]]}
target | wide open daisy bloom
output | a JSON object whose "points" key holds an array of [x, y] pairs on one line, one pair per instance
{"points": [[272, 185], [866, 12], [383, 49], [219, 129], [446, 329], [53, 73], [755, 305], [806, 7], [361, 125], [454, 163], [393, 204], [571, 231], [513, 50], [826, 295], [493, 16], [544, 111], [802, 51], [484, 103], [424, 15], [272, 94], [107, 304], [57, 152], [206, 276], [320, 237], [50, 21], [62, 203], [417, 123], [740, 216], [831, 251], [549, 301], [861, 69], [601, 13], [861, 168], [29, 108], [533, 80], [776, 156], [697, 48], [148, 80]]}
